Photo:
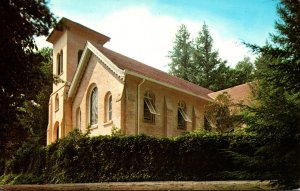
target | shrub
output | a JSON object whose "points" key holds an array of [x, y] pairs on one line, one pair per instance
{"points": [[79, 158]]}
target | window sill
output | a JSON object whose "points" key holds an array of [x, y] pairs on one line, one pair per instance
{"points": [[149, 122], [95, 126], [181, 129], [60, 74], [108, 123]]}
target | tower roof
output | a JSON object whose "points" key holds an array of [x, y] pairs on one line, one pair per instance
{"points": [[67, 24]]}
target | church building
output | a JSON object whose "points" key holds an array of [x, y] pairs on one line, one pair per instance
{"points": [[100, 90]]}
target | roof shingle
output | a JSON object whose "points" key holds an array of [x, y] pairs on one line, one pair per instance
{"points": [[126, 63], [241, 93]]}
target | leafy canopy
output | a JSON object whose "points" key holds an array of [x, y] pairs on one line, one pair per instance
{"points": [[277, 120], [20, 73]]}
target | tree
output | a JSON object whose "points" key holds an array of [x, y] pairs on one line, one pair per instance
{"points": [[180, 65], [276, 120], [196, 61], [209, 68], [21, 22], [222, 114], [243, 72], [33, 114]]}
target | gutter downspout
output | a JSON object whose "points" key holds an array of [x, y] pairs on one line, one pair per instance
{"points": [[64, 114], [138, 105]]}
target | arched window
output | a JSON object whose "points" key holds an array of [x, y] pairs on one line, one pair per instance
{"points": [[108, 107], [150, 109], [56, 131], [56, 103], [94, 106], [182, 117], [78, 119]]}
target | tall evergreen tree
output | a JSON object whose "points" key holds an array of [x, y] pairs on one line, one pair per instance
{"points": [[276, 120], [197, 61], [209, 68], [180, 56]]}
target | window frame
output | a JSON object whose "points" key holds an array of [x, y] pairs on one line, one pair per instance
{"points": [[108, 107], [56, 103], [61, 61], [182, 115], [58, 64], [78, 119], [57, 133], [79, 54], [150, 109], [93, 107]]}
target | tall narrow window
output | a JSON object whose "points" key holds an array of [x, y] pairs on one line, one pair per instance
{"points": [[78, 119], [79, 53], [182, 117], [61, 61], [57, 64], [108, 109], [57, 132], [150, 109], [94, 107], [56, 102]]}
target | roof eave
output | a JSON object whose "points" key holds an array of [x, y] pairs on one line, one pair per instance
{"points": [[166, 85], [89, 49], [64, 23]]}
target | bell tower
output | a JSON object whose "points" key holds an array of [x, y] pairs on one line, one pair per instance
{"points": [[68, 39]]}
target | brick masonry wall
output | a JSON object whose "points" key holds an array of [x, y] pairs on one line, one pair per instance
{"points": [[166, 100], [96, 74]]}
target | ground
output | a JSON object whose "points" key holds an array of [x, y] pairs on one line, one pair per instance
{"points": [[165, 185]]}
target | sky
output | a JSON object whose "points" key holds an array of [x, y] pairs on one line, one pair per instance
{"points": [[145, 29]]}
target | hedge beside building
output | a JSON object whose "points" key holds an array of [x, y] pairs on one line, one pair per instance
{"points": [[80, 158]]}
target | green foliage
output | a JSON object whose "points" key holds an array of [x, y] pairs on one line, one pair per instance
{"points": [[196, 61], [26, 166], [133, 158], [33, 115], [29, 158], [199, 155], [276, 121], [20, 74], [209, 69], [223, 114], [116, 131], [243, 72], [181, 64], [21, 179]]}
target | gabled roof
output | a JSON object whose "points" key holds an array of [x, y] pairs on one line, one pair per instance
{"points": [[122, 65], [129, 64], [241, 93]]}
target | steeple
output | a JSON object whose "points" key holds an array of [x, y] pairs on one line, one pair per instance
{"points": [[68, 39]]}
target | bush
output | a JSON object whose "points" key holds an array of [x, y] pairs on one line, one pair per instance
{"points": [[80, 158], [194, 156]]}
